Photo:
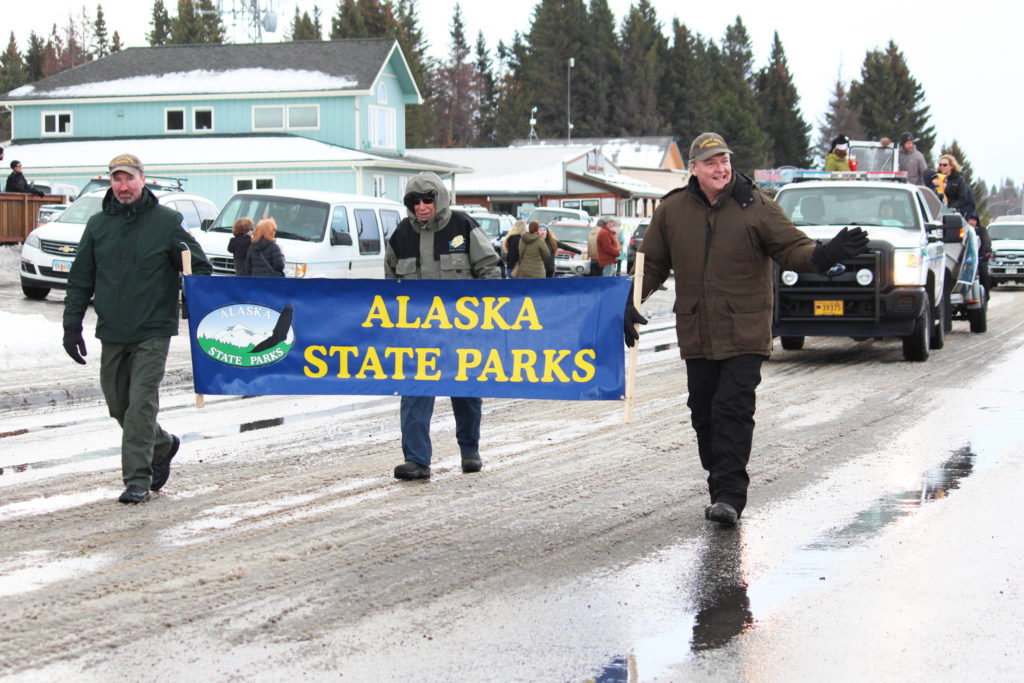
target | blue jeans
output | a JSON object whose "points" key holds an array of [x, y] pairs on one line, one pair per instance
{"points": [[610, 269], [416, 412]]}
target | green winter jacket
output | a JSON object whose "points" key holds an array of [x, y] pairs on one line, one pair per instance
{"points": [[128, 261], [833, 162]]}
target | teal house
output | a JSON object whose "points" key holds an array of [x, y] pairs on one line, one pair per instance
{"points": [[311, 115]]}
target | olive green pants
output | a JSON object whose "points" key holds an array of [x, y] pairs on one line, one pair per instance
{"points": [[130, 376]]}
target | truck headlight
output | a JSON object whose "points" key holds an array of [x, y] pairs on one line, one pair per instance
{"points": [[907, 267], [300, 270], [33, 240]]}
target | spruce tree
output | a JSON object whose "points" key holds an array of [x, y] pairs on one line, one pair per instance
{"points": [[101, 46], [187, 27], [890, 99], [213, 27], [115, 43], [419, 122], [512, 114], [780, 111], [683, 98], [596, 75], [736, 113], [978, 187], [558, 33], [486, 133], [303, 28], [161, 23], [455, 91], [13, 73], [348, 21], [643, 66], [35, 57], [840, 117]]}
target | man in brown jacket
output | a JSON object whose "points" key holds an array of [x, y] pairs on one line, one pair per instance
{"points": [[720, 233]]}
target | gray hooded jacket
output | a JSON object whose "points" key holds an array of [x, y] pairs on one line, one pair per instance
{"points": [[444, 252]]}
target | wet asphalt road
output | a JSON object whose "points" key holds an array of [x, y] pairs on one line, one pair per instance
{"points": [[896, 551]]}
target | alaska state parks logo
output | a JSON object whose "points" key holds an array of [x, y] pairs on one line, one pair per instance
{"points": [[246, 335]]}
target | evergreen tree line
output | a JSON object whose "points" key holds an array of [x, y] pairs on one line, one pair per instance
{"points": [[625, 80]]}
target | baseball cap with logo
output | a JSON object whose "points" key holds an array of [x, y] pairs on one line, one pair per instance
{"points": [[707, 145], [128, 163]]}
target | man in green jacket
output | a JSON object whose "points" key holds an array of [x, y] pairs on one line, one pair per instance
{"points": [[719, 234], [128, 262]]}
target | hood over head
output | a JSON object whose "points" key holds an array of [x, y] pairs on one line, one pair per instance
{"points": [[423, 183]]}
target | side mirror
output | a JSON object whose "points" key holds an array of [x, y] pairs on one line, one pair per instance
{"points": [[205, 224], [341, 239], [952, 228]]}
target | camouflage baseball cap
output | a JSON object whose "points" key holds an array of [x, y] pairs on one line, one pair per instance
{"points": [[128, 163], [707, 145]]}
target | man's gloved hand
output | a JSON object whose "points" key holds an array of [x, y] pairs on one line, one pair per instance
{"points": [[846, 244], [75, 345], [629, 322]]}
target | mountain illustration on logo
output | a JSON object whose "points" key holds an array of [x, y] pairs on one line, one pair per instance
{"points": [[246, 335]]}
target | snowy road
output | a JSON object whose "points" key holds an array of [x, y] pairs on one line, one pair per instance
{"points": [[282, 548]]}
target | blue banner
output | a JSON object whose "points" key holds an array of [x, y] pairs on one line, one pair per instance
{"points": [[557, 338]]}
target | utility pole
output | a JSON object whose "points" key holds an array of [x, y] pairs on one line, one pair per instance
{"points": [[568, 98]]}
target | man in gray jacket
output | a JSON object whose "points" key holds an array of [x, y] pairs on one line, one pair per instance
{"points": [[911, 160], [435, 243]]}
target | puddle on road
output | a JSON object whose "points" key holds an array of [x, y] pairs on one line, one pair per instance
{"points": [[724, 606]]}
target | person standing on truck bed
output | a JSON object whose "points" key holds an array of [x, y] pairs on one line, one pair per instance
{"points": [[838, 159], [911, 160], [719, 234], [957, 190]]}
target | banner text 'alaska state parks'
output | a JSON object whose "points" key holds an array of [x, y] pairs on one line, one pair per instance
{"points": [[545, 338]]}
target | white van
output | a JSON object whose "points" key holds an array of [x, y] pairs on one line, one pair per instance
{"points": [[321, 234]]}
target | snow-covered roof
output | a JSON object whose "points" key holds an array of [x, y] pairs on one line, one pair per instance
{"points": [[172, 153], [626, 184], [637, 152], [508, 169], [302, 66]]}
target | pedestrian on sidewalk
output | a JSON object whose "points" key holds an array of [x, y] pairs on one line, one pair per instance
{"points": [[128, 262], [608, 245]]}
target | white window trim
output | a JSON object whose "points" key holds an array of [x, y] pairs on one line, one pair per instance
{"points": [[288, 111], [56, 115], [391, 122], [184, 120], [193, 119], [380, 186], [382, 94], [253, 179], [285, 112]]}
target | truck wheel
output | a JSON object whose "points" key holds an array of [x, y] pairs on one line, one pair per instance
{"points": [[938, 338], [978, 317], [37, 293], [915, 345], [792, 343]]}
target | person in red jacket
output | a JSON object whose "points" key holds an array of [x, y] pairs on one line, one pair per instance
{"points": [[608, 244]]}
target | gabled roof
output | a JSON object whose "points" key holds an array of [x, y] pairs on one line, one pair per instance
{"points": [[303, 66], [651, 152]]}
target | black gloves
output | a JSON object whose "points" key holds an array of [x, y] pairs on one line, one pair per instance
{"points": [[846, 244], [75, 345], [631, 318]]}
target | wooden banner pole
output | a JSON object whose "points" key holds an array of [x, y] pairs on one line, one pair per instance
{"points": [[638, 285], [186, 268]]}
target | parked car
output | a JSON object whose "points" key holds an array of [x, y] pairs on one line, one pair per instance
{"points": [[494, 225], [49, 250], [1007, 263], [634, 243], [322, 234], [547, 214], [49, 212], [575, 233], [152, 182]]}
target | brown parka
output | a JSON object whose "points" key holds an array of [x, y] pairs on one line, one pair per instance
{"points": [[722, 258]]}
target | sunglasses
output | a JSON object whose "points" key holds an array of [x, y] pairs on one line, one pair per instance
{"points": [[944, 163], [414, 198]]}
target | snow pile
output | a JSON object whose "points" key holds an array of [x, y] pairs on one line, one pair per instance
{"points": [[10, 260], [203, 81], [27, 340]]}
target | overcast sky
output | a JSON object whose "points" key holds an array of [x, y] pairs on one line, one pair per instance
{"points": [[963, 58]]}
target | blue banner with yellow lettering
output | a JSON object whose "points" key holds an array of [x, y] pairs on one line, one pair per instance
{"points": [[545, 338]]}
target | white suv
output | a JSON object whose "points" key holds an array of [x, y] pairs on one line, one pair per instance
{"points": [[49, 250]]}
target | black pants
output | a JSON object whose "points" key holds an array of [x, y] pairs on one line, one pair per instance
{"points": [[721, 402]]}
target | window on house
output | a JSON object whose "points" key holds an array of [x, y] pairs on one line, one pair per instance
{"points": [[174, 120], [379, 189], [56, 123], [382, 127], [591, 206], [382, 94], [304, 116], [265, 118], [202, 119], [253, 184]]}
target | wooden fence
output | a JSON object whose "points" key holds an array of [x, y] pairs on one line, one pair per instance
{"points": [[18, 214]]}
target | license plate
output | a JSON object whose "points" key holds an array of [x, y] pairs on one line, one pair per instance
{"points": [[61, 266], [1011, 271], [828, 307]]}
